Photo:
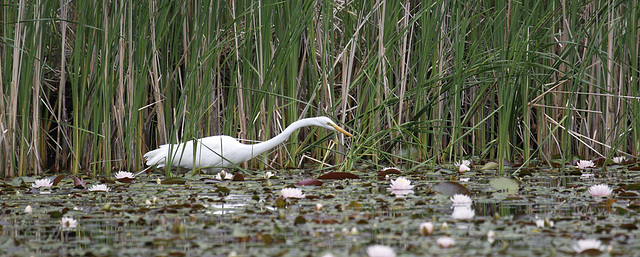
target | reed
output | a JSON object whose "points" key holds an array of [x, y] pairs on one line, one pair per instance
{"points": [[90, 86]]}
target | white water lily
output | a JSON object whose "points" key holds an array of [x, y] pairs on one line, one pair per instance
{"points": [[124, 175], [380, 251], [401, 183], [318, 206], [463, 165], [28, 209], [268, 174], [461, 200], [426, 228], [619, 159], [224, 175], [600, 190], [68, 223], [540, 223], [463, 213], [400, 192], [588, 244], [445, 242], [100, 187], [583, 164], [45, 182], [392, 169], [491, 236], [291, 193]]}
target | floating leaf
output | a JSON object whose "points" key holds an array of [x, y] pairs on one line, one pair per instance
{"points": [[506, 185], [391, 170], [299, 220], [450, 188], [238, 177], [489, 166], [521, 216], [309, 182], [79, 183], [339, 175], [57, 179], [174, 181], [354, 205]]}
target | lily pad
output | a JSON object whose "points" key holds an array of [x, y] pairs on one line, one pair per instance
{"points": [[309, 182], [339, 175], [450, 189]]}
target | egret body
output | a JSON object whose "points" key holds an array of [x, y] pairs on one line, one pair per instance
{"points": [[225, 151]]}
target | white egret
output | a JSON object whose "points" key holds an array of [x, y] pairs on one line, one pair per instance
{"points": [[225, 151]]}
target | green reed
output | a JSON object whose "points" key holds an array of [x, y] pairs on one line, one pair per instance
{"points": [[90, 86]]}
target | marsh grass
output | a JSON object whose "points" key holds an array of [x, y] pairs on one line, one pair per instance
{"points": [[90, 86]]}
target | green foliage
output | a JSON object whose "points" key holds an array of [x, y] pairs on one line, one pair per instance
{"points": [[90, 86]]}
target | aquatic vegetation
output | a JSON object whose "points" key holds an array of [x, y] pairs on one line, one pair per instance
{"points": [[401, 183], [491, 236], [288, 192], [619, 159], [380, 251], [254, 217], [224, 175], [463, 166], [601, 190], [461, 200], [583, 164], [99, 188], [426, 228], [445, 242], [68, 223], [463, 213], [45, 182], [588, 244], [124, 175], [28, 209], [269, 174]]}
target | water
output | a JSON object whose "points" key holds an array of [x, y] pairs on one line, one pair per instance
{"points": [[204, 217]]}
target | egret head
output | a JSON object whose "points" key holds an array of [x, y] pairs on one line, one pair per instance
{"points": [[329, 124]]}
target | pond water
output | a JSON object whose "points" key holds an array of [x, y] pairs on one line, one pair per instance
{"points": [[541, 211]]}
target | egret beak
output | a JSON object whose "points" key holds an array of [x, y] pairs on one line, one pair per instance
{"points": [[339, 129]]}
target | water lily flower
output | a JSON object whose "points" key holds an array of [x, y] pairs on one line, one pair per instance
{"points": [[391, 170], [600, 190], [463, 213], [426, 228], [380, 251], [445, 242], [400, 192], [586, 175], [463, 165], [28, 209], [461, 200], [318, 206], [583, 164], [268, 174], [588, 244], [224, 175], [619, 159], [444, 226], [540, 223], [45, 182], [100, 187], [291, 193], [68, 223], [124, 175], [464, 179], [491, 236], [401, 183]]}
